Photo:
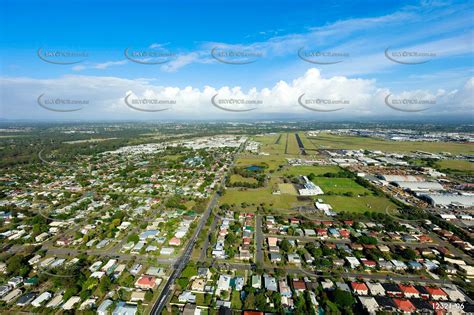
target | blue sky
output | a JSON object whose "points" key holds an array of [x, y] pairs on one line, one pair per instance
{"points": [[361, 30]]}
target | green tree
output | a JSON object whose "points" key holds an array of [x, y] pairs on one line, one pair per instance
{"points": [[249, 302], [104, 284], [133, 238], [261, 301], [285, 246], [343, 298]]}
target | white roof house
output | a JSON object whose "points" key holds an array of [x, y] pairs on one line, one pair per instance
{"points": [[34, 260], [353, 262], [55, 302], [87, 304], [369, 304], [187, 296], [69, 305], [109, 264], [12, 296], [454, 294], [95, 266], [224, 283], [294, 259], [256, 281], [166, 251], [97, 274], [399, 265], [375, 288], [102, 309], [58, 262], [43, 297], [270, 283], [48, 261]]}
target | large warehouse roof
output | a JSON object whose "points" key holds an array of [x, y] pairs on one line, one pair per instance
{"points": [[451, 200], [401, 178], [420, 186]]}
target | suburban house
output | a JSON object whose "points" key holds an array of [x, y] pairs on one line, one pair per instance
{"points": [[359, 288], [409, 291], [146, 282]]}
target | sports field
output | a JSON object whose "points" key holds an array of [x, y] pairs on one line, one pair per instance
{"points": [[287, 189], [358, 204], [340, 185]]}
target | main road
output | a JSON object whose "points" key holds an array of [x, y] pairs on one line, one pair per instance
{"points": [[184, 259]]}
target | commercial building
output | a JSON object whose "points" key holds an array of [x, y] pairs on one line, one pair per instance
{"points": [[449, 200]]}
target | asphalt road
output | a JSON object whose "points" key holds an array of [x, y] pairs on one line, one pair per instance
{"points": [[184, 259], [203, 254]]}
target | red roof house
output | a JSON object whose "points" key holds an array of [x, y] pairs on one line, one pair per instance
{"points": [[146, 282], [359, 288], [294, 221], [322, 232], [368, 263], [437, 293], [405, 305], [409, 291], [344, 233], [175, 241], [299, 285]]}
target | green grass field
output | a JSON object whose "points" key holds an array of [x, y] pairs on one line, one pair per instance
{"points": [[340, 185], [288, 198], [292, 147], [272, 161], [287, 189], [352, 142], [257, 196], [457, 165], [172, 157], [269, 144], [308, 169], [308, 144], [358, 204], [235, 178], [266, 139]]}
